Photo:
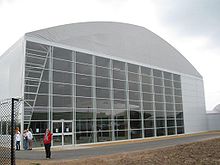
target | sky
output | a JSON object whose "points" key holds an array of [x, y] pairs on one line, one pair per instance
{"points": [[191, 26]]}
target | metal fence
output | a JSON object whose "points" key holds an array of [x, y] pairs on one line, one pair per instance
{"points": [[9, 121]]}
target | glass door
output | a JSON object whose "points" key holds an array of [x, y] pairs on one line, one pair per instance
{"points": [[68, 133], [62, 133]]}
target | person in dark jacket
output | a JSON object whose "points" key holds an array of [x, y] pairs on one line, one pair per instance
{"points": [[47, 143]]}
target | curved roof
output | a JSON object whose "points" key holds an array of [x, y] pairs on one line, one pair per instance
{"points": [[126, 41]]}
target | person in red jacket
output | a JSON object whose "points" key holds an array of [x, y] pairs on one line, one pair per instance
{"points": [[47, 143]]}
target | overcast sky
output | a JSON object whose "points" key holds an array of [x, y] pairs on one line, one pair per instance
{"points": [[191, 26]]}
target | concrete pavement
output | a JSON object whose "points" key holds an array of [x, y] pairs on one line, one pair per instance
{"points": [[114, 148]]}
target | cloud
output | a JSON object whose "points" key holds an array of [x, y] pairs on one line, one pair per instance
{"points": [[192, 17], [6, 1]]}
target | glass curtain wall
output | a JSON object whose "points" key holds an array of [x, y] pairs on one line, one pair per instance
{"points": [[36, 91], [105, 99]]}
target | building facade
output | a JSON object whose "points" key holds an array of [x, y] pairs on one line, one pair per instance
{"points": [[103, 81]]}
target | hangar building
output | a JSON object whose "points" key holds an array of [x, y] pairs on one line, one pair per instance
{"points": [[102, 81]]}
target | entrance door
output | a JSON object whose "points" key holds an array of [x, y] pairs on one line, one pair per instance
{"points": [[62, 133]]}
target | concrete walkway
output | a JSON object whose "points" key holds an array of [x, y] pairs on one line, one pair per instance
{"points": [[114, 148]]}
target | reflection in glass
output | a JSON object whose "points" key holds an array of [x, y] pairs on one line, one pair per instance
{"points": [[118, 74], [168, 83], [158, 98], [180, 130], [135, 124], [119, 94], [83, 91], [167, 75], [119, 114], [121, 124], [147, 97], [102, 93], [133, 68], [84, 114], [104, 62], [62, 113], [42, 100], [68, 140], [148, 114], [62, 53], [134, 95], [62, 77], [83, 58], [84, 102], [134, 105], [62, 65], [102, 72], [179, 122], [133, 77], [104, 136], [145, 70], [57, 140], [84, 125], [120, 104], [62, 101], [67, 127], [121, 135], [135, 115], [159, 115], [146, 88], [179, 115], [103, 115], [134, 86], [157, 73], [136, 134], [160, 131], [62, 89], [83, 69], [170, 123], [84, 137], [102, 82], [149, 133], [160, 123], [103, 125], [176, 77], [148, 123], [117, 84], [103, 103], [171, 131], [147, 106], [158, 81], [118, 65], [158, 89], [83, 80]]}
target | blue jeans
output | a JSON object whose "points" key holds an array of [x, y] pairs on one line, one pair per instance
{"points": [[25, 144], [17, 145]]}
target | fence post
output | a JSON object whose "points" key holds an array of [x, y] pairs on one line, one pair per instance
{"points": [[12, 130]]}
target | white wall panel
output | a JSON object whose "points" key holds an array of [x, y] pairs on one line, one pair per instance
{"points": [[213, 120], [11, 71], [195, 119]]}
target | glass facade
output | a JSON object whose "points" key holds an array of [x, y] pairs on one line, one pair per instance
{"points": [[85, 98]]}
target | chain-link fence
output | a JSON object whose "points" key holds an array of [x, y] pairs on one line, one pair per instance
{"points": [[9, 122]]}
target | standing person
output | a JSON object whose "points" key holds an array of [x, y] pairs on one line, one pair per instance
{"points": [[30, 139], [18, 139], [25, 138], [47, 143]]}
